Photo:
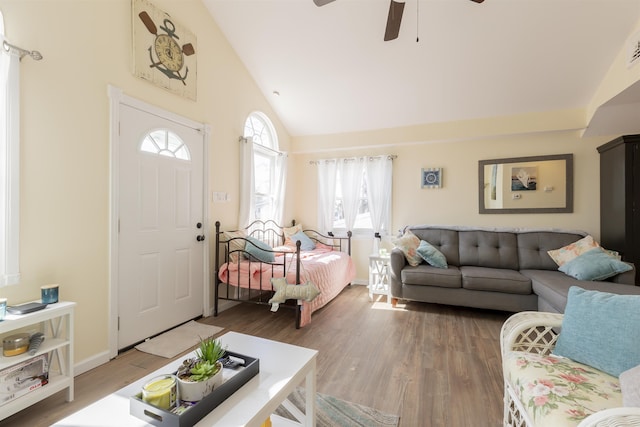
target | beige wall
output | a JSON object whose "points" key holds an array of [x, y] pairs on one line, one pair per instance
{"points": [[65, 139], [456, 203]]}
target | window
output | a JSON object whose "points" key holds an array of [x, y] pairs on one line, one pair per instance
{"points": [[267, 169], [363, 215], [165, 143], [355, 194]]}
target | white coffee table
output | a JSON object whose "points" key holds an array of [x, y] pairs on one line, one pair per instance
{"points": [[283, 367]]}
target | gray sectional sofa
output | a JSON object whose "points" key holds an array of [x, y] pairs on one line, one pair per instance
{"points": [[499, 269]]}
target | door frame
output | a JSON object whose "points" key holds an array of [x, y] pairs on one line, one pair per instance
{"points": [[116, 99]]}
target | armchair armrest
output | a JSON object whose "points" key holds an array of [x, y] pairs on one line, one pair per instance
{"points": [[626, 416], [532, 331]]}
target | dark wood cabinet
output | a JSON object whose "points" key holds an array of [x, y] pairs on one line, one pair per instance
{"points": [[620, 197]]}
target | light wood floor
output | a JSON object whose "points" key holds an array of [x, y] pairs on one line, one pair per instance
{"points": [[431, 364]]}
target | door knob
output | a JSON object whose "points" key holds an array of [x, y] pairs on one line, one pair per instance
{"points": [[200, 238]]}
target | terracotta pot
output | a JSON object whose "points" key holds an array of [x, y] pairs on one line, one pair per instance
{"points": [[191, 391]]}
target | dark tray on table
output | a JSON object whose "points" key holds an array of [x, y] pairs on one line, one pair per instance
{"points": [[160, 417]]}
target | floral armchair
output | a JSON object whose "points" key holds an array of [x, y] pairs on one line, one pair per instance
{"points": [[542, 389]]}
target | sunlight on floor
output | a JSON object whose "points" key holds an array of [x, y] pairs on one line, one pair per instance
{"points": [[380, 303]]}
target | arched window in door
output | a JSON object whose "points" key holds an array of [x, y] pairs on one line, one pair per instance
{"points": [[163, 142]]}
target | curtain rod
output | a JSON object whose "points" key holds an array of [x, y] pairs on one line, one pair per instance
{"points": [[279, 153], [37, 56], [389, 157]]}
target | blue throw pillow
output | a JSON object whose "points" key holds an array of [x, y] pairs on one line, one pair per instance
{"points": [[432, 255], [601, 330], [258, 250], [306, 244], [594, 264]]}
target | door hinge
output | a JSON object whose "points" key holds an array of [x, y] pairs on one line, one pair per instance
{"points": [[118, 225], [118, 322]]}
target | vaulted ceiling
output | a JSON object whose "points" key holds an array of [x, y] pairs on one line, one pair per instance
{"points": [[453, 59]]}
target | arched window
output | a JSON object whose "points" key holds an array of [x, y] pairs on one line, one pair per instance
{"points": [[268, 175]]}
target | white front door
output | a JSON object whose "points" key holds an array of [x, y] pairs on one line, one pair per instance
{"points": [[161, 225]]}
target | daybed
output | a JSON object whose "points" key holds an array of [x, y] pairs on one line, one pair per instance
{"points": [[248, 259], [578, 369], [500, 269]]}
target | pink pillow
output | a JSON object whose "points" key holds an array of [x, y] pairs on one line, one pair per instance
{"points": [[408, 244]]}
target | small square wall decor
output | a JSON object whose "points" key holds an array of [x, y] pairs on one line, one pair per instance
{"points": [[431, 178]]}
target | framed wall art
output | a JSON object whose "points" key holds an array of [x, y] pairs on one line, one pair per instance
{"points": [[431, 178], [164, 51]]}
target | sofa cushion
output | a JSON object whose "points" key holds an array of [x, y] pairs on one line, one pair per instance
{"points": [[495, 279], [533, 248], [427, 275], [556, 391], [488, 249], [552, 287], [601, 330], [445, 240]]}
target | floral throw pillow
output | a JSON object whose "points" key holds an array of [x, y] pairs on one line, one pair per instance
{"points": [[408, 244], [290, 231], [236, 241], [574, 250]]}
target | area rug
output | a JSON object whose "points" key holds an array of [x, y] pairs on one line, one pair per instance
{"points": [[177, 340], [334, 412]]}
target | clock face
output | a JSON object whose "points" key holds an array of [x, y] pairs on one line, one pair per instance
{"points": [[169, 52]]}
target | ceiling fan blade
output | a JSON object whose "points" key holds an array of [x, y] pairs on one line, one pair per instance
{"points": [[478, 1], [393, 20], [322, 2]]}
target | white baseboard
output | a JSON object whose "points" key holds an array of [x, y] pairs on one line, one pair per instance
{"points": [[90, 363], [360, 282]]}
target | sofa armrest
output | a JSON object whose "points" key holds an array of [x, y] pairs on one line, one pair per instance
{"points": [[627, 416], [626, 278], [532, 331], [397, 263]]}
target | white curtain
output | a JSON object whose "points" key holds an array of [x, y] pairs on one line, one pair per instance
{"points": [[379, 185], [9, 162], [327, 170], [280, 188], [247, 184], [350, 178]]}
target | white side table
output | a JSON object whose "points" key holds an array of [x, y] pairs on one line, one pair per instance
{"points": [[379, 280]]}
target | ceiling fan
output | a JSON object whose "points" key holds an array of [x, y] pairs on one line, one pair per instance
{"points": [[393, 19]]}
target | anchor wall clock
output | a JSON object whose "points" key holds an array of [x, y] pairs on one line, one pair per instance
{"points": [[164, 52]]}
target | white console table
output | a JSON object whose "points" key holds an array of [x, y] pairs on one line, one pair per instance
{"points": [[56, 321]]}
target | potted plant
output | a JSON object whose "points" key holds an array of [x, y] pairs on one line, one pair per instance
{"points": [[198, 376]]}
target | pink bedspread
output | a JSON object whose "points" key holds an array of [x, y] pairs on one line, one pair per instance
{"points": [[329, 270]]}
